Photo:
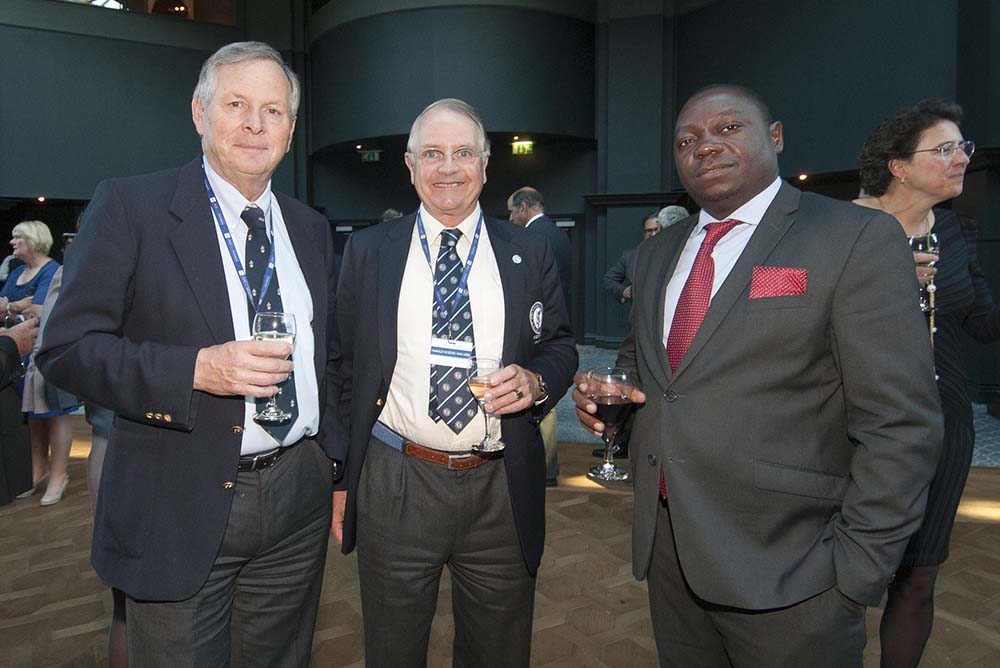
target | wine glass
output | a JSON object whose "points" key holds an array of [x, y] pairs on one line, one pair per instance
{"points": [[272, 326], [479, 385], [610, 388], [926, 243]]}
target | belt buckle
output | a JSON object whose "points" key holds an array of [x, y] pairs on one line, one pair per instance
{"points": [[459, 462], [253, 463]]}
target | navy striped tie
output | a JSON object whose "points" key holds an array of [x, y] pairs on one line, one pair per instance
{"points": [[450, 398]]}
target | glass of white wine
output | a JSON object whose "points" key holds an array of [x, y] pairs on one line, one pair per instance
{"points": [[479, 385], [272, 326]]}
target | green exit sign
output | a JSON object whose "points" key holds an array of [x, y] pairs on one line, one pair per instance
{"points": [[523, 147], [371, 156]]}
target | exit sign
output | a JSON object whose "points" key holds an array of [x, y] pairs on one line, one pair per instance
{"points": [[371, 156], [523, 147]]}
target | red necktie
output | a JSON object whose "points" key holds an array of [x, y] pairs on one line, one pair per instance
{"points": [[693, 303]]}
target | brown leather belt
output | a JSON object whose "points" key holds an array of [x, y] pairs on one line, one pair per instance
{"points": [[455, 462]]}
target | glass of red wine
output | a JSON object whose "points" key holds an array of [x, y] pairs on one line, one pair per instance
{"points": [[610, 388]]}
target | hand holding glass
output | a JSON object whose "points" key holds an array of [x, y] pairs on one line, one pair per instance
{"points": [[279, 327], [479, 385]]}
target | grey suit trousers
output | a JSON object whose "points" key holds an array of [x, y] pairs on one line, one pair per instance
{"points": [[258, 607], [414, 517], [825, 631]]}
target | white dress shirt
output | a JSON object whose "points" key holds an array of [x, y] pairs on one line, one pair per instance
{"points": [[406, 405], [295, 299], [533, 219], [727, 250]]}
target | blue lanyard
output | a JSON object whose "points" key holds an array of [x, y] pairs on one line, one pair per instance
{"points": [[221, 220], [461, 289]]}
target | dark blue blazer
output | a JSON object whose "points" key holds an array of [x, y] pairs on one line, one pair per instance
{"points": [[143, 291], [365, 340]]}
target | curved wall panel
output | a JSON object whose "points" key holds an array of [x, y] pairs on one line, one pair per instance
{"points": [[525, 71]]}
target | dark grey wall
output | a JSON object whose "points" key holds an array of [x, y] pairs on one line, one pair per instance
{"points": [[525, 71], [830, 70]]}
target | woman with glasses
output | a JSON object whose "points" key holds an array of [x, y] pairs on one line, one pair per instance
{"points": [[915, 160]]}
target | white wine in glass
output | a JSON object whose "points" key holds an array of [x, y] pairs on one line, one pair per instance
{"points": [[279, 327], [479, 385]]}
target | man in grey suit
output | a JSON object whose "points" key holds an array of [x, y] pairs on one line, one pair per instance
{"points": [[790, 423]]}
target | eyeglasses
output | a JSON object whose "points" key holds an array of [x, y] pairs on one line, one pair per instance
{"points": [[434, 157], [968, 147]]}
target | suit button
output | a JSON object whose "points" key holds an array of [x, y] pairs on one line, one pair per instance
{"points": [[167, 417], [158, 416], [227, 485], [670, 396], [378, 402], [149, 416], [651, 459], [237, 429]]}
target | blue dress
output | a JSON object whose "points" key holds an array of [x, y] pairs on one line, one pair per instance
{"points": [[36, 288]]}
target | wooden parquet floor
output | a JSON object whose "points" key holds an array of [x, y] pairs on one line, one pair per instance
{"points": [[589, 611]]}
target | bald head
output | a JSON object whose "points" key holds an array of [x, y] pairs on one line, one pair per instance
{"points": [[524, 204]]}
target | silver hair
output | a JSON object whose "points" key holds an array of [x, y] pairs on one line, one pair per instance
{"points": [[457, 106], [242, 52], [669, 215], [36, 234]]}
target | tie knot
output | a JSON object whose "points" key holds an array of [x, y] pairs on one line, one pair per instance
{"points": [[253, 216], [450, 236], [715, 231]]}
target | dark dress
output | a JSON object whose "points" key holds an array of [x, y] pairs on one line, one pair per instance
{"points": [[963, 304]]}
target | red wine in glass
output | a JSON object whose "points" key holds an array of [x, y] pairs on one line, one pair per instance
{"points": [[610, 389]]}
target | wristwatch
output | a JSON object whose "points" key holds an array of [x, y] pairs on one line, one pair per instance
{"points": [[543, 389]]}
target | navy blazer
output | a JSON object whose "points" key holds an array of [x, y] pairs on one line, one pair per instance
{"points": [[374, 261], [144, 290]]}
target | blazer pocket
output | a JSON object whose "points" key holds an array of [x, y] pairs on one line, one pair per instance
{"points": [[801, 482], [779, 302]]}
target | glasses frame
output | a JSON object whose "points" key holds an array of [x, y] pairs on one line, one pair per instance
{"points": [[433, 162], [947, 150]]}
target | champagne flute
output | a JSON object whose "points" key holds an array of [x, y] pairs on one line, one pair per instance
{"points": [[926, 243], [610, 388], [479, 385], [272, 326]]}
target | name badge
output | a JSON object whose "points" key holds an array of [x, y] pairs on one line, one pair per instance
{"points": [[445, 352]]}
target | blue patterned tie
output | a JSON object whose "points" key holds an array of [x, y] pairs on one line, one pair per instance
{"points": [[258, 250], [450, 398]]}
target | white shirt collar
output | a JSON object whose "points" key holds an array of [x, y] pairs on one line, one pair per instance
{"points": [[751, 213], [533, 219], [433, 227], [229, 197]]}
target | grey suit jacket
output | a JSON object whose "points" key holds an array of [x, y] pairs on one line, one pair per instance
{"points": [[799, 433]]}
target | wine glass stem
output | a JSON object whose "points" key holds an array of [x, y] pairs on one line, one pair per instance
{"points": [[486, 422], [609, 446]]}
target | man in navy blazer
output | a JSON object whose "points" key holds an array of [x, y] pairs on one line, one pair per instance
{"points": [[214, 526], [790, 425], [417, 496]]}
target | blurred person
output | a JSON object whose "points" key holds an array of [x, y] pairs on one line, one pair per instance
{"points": [[618, 279], [48, 408], [418, 495], [669, 215], [526, 208], [9, 264], [390, 214], [15, 449], [788, 427], [25, 292], [915, 160], [214, 525]]}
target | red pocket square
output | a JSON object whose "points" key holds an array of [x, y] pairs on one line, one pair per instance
{"points": [[778, 282]]}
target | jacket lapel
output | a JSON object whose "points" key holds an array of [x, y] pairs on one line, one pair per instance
{"points": [[309, 254], [512, 277], [777, 219], [391, 264], [660, 255], [195, 243]]}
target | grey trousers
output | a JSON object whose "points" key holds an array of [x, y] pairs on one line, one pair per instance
{"points": [[258, 606], [825, 631], [415, 517]]}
